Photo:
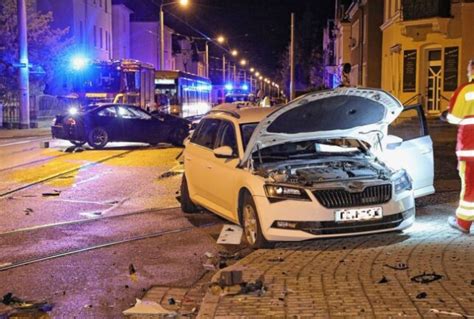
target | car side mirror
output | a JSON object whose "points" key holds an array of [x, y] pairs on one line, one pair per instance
{"points": [[224, 152], [393, 142], [444, 116]]}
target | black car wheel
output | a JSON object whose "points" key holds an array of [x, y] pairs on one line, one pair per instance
{"points": [[187, 205], [178, 136], [78, 143], [251, 224], [98, 138]]}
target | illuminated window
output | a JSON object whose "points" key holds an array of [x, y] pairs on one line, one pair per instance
{"points": [[95, 36]]}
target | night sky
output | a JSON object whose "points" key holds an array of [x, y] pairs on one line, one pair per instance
{"points": [[259, 29]]}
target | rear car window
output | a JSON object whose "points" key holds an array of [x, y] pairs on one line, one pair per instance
{"points": [[227, 137], [206, 133]]}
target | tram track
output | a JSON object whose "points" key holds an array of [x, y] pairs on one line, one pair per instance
{"points": [[63, 173]]}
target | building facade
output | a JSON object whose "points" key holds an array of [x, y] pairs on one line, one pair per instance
{"points": [[89, 23], [121, 31], [425, 50]]}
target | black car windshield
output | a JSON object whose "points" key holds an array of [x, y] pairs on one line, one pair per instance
{"points": [[310, 149]]}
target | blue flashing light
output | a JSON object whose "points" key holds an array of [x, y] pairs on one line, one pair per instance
{"points": [[229, 86], [245, 87], [78, 62]]}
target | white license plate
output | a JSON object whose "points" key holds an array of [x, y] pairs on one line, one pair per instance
{"points": [[359, 214]]}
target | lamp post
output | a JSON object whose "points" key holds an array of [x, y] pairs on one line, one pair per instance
{"points": [[162, 29]]}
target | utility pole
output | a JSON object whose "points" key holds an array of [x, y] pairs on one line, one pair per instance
{"points": [[292, 58], [162, 38], [223, 69], [207, 59], [23, 76]]}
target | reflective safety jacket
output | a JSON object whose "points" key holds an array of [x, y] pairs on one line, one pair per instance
{"points": [[461, 112]]}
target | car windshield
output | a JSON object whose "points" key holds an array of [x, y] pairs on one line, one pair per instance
{"points": [[310, 149], [247, 130]]}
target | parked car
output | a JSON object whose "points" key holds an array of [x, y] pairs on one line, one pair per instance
{"points": [[320, 166], [119, 123]]}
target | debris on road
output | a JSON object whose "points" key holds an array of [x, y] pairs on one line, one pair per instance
{"points": [[91, 214], [384, 280], [421, 295], [256, 287], [44, 144], [451, 313], [276, 260], [230, 278], [28, 211], [144, 307], [230, 235], [398, 266], [17, 307], [171, 301], [228, 256], [53, 193], [132, 272], [426, 278]]}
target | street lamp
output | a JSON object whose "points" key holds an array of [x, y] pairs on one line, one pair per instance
{"points": [[252, 70], [243, 62], [220, 39], [234, 52], [183, 3]]}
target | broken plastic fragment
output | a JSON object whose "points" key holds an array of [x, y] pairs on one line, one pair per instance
{"points": [[148, 307], [426, 278], [384, 280]]}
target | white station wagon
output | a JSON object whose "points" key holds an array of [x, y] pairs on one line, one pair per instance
{"points": [[341, 162]]}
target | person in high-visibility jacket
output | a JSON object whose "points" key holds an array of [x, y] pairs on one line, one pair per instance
{"points": [[461, 113]]}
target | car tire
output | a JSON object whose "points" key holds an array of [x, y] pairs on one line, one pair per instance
{"points": [[187, 204], [252, 231], [97, 138], [178, 136], [77, 143]]}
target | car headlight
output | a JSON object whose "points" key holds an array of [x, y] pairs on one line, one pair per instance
{"points": [[401, 182], [280, 192], [73, 110]]}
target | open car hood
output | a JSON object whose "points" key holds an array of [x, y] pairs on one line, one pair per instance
{"points": [[357, 113]]}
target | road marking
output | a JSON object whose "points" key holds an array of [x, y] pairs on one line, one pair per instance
{"points": [[17, 143]]}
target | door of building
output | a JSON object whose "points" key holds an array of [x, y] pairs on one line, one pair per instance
{"points": [[433, 92]]}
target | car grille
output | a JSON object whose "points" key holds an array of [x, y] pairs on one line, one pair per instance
{"points": [[338, 198]]}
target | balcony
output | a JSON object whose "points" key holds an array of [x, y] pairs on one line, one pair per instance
{"points": [[425, 9]]}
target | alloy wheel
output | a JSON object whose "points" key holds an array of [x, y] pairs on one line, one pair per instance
{"points": [[99, 137], [250, 224]]}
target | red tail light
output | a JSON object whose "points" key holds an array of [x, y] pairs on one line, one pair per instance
{"points": [[71, 121]]}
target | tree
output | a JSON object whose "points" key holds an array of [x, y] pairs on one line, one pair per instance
{"points": [[46, 48]]}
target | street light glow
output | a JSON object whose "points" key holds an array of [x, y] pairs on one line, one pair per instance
{"points": [[243, 62], [257, 73], [234, 52], [220, 39], [252, 70], [183, 3]]}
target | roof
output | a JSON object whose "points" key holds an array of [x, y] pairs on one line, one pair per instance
{"points": [[247, 114]]}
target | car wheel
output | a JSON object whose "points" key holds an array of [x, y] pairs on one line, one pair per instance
{"points": [[178, 136], [78, 143], [187, 205], [252, 231], [98, 138]]}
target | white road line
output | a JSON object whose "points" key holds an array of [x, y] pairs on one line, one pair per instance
{"points": [[16, 143]]}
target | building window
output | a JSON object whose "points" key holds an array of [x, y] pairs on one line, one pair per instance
{"points": [[106, 41], [354, 41], [95, 36], [100, 38], [106, 5], [100, 3]]}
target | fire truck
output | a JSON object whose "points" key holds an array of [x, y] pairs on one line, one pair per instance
{"points": [[121, 81]]}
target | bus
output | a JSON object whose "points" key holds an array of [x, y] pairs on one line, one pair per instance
{"points": [[121, 81], [182, 93]]}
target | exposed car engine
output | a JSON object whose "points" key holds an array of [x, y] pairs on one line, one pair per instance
{"points": [[327, 171]]}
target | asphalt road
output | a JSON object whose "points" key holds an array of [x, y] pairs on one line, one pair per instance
{"points": [[55, 202]]}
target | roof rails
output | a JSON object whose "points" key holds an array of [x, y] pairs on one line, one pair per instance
{"points": [[229, 112]]}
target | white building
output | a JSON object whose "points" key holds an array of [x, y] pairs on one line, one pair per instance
{"points": [[89, 23], [121, 31]]}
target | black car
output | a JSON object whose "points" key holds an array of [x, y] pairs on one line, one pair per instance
{"points": [[119, 123]]}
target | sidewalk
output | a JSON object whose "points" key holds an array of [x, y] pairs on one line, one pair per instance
{"points": [[17, 133], [356, 277]]}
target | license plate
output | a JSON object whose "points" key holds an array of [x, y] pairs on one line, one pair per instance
{"points": [[359, 214]]}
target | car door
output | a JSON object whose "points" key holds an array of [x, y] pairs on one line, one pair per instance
{"points": [[223, 171], [107, 118], [137, 127], [197, 161], [409, 146]]}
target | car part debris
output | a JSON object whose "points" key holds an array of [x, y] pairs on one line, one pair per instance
{"points": [[398, 266], [132, 272], [426, 278], [256, 287], [384, 280], [28, 211], [421, 295], [451, 313], [209, 255], [230, 278], [53, 193], [145, 307], [22, 307], [230, 235], [171, 301], [226, 255], [44, 144]]}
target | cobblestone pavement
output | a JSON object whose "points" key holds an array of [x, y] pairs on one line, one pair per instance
{"points": [[351, 277]]}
